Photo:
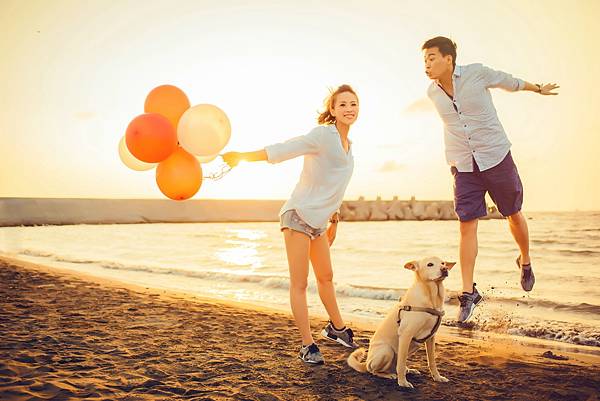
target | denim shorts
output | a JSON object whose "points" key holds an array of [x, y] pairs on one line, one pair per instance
{"points": [[291, 220], [501, 181]]}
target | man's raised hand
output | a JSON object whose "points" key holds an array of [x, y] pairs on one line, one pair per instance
{"points": [[548, 88]]}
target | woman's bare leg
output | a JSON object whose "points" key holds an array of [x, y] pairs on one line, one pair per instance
{"points": [[297, 246]]}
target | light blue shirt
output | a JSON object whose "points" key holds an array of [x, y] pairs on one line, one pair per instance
{"points": [[472, 129], [326, 173]]}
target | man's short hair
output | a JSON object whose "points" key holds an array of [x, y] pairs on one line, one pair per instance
{"points": [[445, 45]]}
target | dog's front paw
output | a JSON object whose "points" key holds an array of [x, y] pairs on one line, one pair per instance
{"points": [[386, 375], [410, 371], [440, 378], [405, 383]]}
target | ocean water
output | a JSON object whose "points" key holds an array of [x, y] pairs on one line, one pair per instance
{"points": [[246, 262]]}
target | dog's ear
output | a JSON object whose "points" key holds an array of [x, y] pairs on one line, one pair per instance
{"points": [[449, 265], [412, 265]]}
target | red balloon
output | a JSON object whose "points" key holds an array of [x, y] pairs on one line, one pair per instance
{"points": [[151, 138], [180, 176]]}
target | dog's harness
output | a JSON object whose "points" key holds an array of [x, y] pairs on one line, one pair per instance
{"points": [[431, 311]]}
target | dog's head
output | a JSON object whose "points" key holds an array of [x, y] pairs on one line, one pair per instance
{"points": [[430, 269]]}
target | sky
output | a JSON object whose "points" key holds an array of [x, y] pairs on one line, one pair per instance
{"points": [[75, 73]]}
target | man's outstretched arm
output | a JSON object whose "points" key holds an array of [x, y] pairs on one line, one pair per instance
{"points": [[503, 80], [542, 89]]}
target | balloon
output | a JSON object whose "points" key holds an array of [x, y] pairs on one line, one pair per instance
{"points": [[180, 176], [151, 138], [204, 130], [207, 159], [129, 160], [168, 101]]}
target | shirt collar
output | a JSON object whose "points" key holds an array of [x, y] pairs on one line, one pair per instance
{"points": [[457, 71], [334, 130]]}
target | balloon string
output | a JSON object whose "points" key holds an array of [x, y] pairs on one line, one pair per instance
{"points": [[217, 175]]}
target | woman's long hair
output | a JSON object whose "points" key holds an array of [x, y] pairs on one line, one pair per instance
{"points": [[325, 117]]}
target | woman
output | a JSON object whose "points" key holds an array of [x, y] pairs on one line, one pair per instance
{"points": [[328, 165]]}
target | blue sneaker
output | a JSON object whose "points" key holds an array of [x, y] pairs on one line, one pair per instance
{"points": [[527, 276], [468, 302]]}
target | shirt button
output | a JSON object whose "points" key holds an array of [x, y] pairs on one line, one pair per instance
{"points": [[465, 126]]}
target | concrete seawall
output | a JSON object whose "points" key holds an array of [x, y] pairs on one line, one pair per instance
{"points": [[56, 211]]}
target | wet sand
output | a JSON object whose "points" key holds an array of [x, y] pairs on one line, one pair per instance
{"points": [[70, 336]]}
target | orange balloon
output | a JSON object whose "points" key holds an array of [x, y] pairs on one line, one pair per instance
{"points": [[180, 176], [169, 101], [130, 161], [151, 138]]}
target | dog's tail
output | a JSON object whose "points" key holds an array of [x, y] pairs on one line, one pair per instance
{"points": [[355, 360]]}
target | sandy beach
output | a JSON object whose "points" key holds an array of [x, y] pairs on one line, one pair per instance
{"points": [[65, 336]]}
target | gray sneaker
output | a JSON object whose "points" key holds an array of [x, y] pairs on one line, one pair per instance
{"points": [[344, 337], [311, 354], [527, 276], [468, 302]]}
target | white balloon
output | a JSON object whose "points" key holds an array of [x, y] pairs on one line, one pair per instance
{"points": [[129, 160], [204, 130]]}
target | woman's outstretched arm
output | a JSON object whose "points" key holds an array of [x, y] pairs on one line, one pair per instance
{"points": [[233, 158]]}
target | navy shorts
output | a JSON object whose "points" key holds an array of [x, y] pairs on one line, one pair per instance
{"points": [[502, 182]]}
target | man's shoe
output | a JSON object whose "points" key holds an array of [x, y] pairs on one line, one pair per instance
{"points": [[468, 302], [527, 276]]}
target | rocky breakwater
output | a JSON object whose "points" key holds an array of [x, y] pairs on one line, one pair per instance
{"points": [[396, 209]]}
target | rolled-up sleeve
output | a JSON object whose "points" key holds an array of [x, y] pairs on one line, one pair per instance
{"points": [[499, 79], [294, 147]]}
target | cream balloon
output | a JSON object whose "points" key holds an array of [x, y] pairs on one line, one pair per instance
{"points": [[203, 130], [206, 159], [129, 160]]}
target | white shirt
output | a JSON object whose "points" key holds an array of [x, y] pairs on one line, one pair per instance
{"points": [[472, 129], [325, 175]]}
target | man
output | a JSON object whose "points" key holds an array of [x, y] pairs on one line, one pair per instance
{"points": [[478, 150]]}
